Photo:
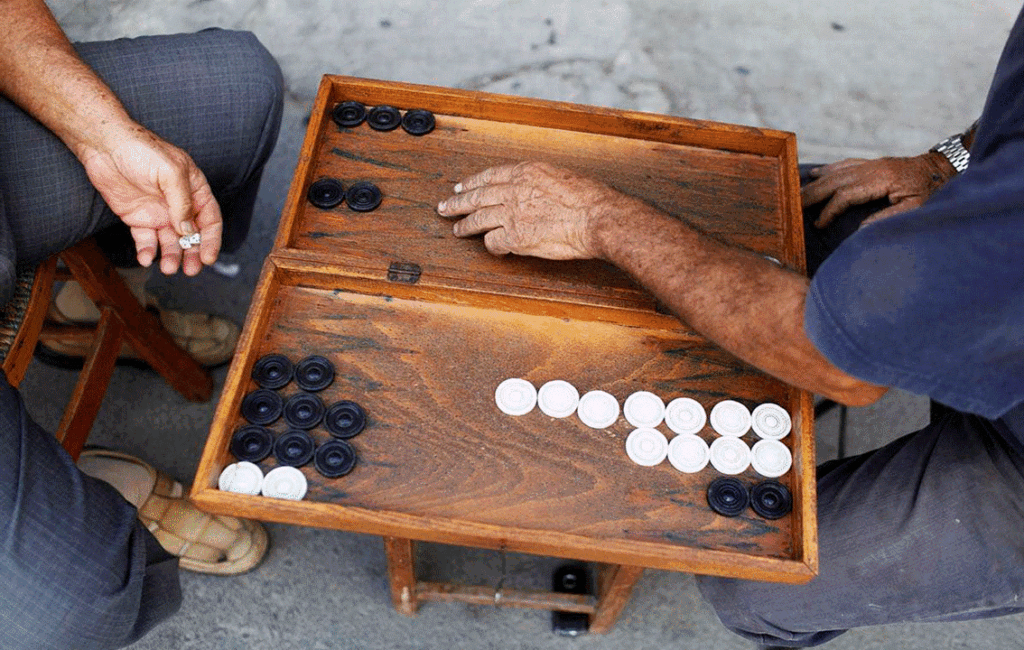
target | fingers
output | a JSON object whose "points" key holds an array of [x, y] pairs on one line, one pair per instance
{"points": [[471, 200], [177, 187], [145, 245], [496, 242], [490, 176], [843, 199], [480, 221], [902, 206], [845, 184], [170, 251], [209, 221], [831, 168]]}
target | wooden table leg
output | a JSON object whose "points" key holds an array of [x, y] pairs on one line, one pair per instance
{"points": [[402, 574], [614, 585]]}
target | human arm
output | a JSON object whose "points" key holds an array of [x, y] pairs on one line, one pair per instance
{"points": [[737, 299], [153, 186], [906, 182]]}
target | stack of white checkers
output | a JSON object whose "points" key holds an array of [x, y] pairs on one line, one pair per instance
{"points": [[247, 478], [686, 417]]}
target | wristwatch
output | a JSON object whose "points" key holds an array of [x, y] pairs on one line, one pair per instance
{"points": [[953, 149]]}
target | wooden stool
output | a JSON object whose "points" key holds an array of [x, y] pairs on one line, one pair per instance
{"points": [[122, 319]]}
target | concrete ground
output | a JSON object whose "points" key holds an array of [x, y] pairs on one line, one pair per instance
{"points": [[869, 78]]}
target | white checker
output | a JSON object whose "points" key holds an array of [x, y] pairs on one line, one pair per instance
{"points": [[241, 478], [598, 409], [730, 418], [515, 396], [285, 483], [730, 455], [770, 458], [688, 453], [685, 415], [646, 446], [644, 409], [771, 422], [558, 398]]}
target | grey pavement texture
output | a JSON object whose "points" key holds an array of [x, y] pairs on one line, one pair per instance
{"points": [[869, 78]]}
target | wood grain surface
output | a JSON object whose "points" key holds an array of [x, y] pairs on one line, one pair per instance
{"points": [[438, 461]]}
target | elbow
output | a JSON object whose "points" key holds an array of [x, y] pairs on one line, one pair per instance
{"points": [[857, 393]]}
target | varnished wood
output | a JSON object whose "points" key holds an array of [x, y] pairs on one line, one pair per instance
{"points": [[402, 575], [440, 449], [142, 330], [91, 386], [122, 318], [524, 598], [614, 585], [437, 461], [20, 355]]}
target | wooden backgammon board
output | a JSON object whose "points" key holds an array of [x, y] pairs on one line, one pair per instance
{"points": [[421, 327]]}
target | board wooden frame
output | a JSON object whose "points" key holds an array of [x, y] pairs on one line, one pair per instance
{"points": [[299, 271]]}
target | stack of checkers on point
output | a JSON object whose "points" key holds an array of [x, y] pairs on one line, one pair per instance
{"points": [[687, 451], [363, 196], [294, 447]]}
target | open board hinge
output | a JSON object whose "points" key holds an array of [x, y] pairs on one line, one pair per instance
{"points": [[404, 272]]}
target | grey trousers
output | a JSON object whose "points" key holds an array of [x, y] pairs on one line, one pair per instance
{"points": [[77, 569], [927, 528]]}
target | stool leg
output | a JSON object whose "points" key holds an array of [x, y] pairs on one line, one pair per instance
{"points": [[614, 586], [91, 386], [401, 574], [97, 276]]}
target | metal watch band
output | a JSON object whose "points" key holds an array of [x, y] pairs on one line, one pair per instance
{"points": [[953, 149]]}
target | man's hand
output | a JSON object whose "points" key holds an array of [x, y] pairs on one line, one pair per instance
{"points": [[533, 209], [153, 186], [906, 182], [160, 193]]}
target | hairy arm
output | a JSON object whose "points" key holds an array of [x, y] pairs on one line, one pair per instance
{"points": [[741, 301], [153, 186]]}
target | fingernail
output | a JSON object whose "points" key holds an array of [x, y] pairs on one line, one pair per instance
{"points": [[441, 206], [187, 228], [458, 187]]}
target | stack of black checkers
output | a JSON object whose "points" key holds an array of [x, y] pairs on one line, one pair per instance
{"points": [[327, 193], [350, 114], [729, 497], [302, 412]]}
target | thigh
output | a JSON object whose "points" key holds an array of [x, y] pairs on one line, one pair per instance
{"points": [[78, 567], [216, 94], [928, 528]]}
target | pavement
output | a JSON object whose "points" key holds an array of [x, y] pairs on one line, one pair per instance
{"points": [[868, 78]]}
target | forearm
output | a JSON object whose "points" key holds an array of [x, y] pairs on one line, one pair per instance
{"points": [[739, 300], [42, 73]]}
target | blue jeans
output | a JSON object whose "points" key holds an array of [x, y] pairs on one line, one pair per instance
{"points": [[77, 569]]}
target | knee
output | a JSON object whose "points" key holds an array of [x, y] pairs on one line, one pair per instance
{"points": [[252, 66], [43, 608], [765, 613]]}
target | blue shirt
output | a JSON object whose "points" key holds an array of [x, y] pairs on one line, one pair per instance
{"points": [[932, 300]]}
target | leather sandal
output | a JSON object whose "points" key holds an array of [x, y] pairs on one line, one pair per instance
{"points": [[205, 543], [209, 339]]}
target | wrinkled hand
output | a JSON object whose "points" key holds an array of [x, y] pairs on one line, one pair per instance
{"points": [[160, 193], [532, 209], [906, 182]]}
